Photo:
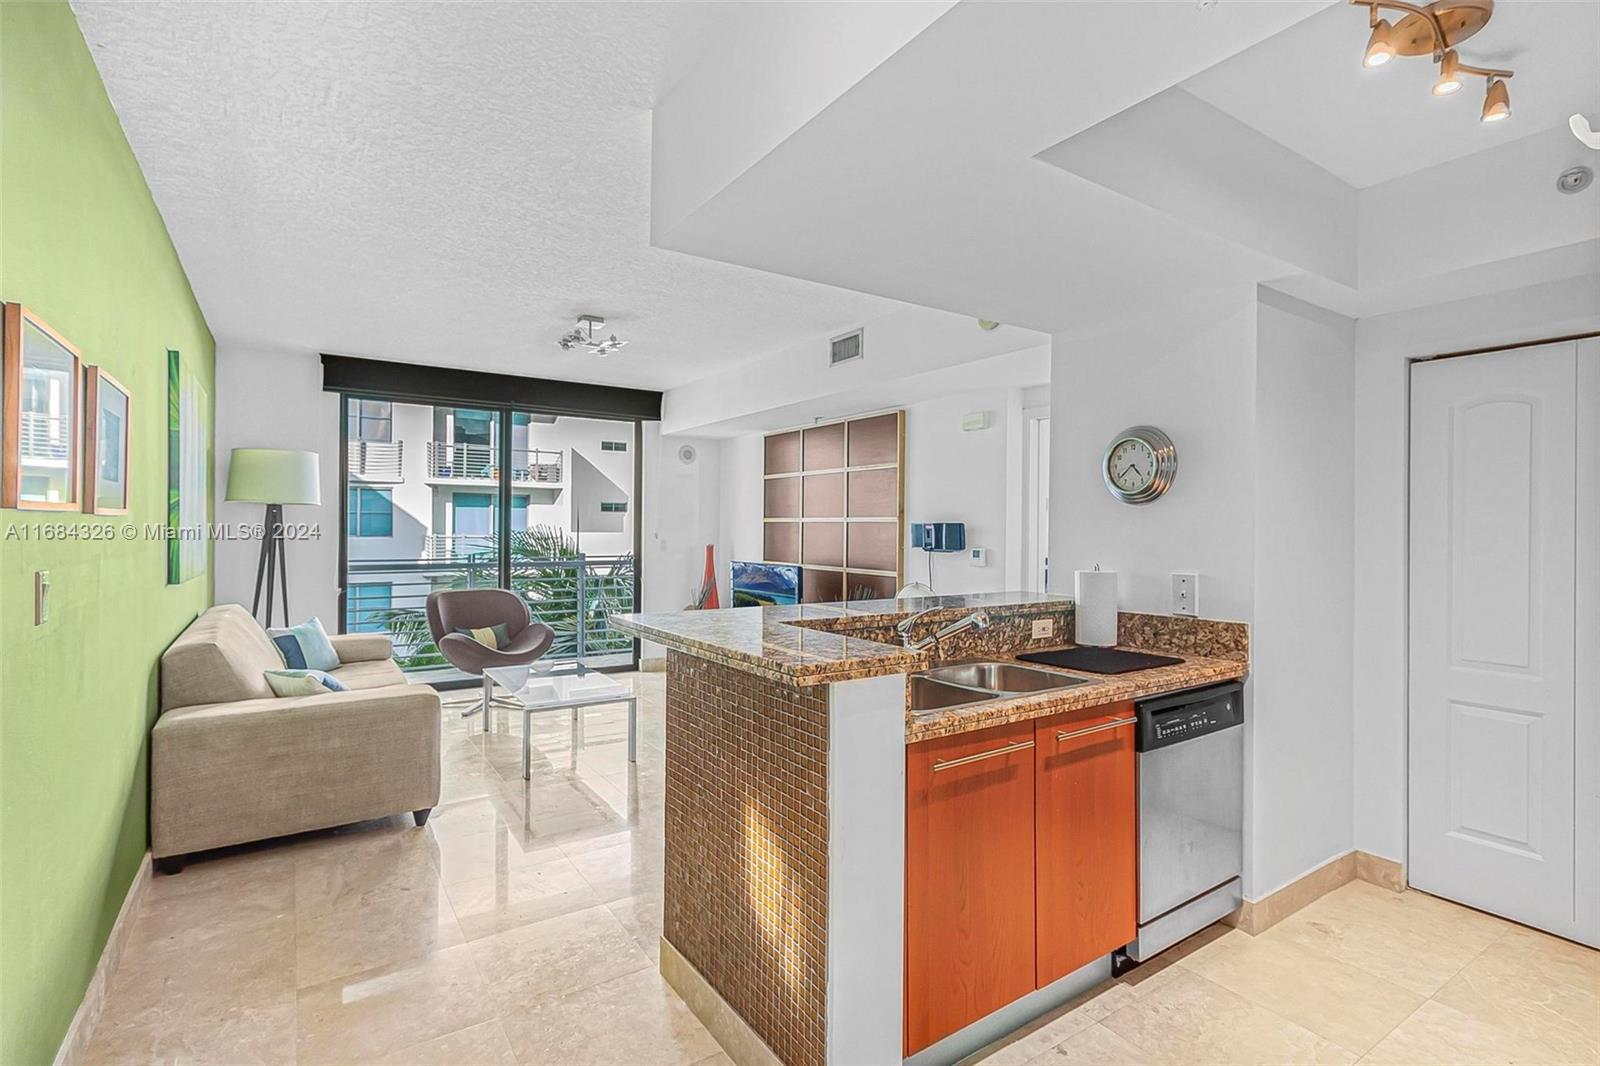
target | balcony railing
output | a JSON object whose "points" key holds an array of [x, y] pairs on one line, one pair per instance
{"points": [[45, 438], [377, 460], [553, 589], [480, 462]]}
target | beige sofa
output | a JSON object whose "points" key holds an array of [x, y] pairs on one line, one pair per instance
{"points": [[230, 762]]}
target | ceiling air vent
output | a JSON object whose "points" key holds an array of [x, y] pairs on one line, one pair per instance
{"points": [[845, 349]]}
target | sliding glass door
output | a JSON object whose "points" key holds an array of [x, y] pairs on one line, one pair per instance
{"points": [[442, 497]]}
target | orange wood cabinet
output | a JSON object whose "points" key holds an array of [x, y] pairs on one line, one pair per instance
{"points": [[969, 878], [1086, 837]]}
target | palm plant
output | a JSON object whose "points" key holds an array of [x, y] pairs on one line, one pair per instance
{"points": [[545, 572]]}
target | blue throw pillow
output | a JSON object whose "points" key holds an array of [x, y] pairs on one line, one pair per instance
{"points": [[305, 646], [303, 683]]}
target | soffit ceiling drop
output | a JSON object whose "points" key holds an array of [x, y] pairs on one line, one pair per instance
{"points": [[437, 183]]}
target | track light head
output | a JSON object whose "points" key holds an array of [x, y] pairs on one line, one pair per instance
{"points": [[1449, 74], [1380, 46], [1496, 101]]}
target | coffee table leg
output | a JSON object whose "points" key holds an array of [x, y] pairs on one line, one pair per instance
{"points": [[633, 730], [527, 740]]}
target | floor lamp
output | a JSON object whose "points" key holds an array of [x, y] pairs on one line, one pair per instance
{"points": [[273, 477]]}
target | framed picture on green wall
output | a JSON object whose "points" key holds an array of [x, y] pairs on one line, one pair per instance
{"points": [[188, 487], [42, 410], [106, 406]]}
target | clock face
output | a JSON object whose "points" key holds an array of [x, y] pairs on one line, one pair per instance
{"points": [[1131, 465]]}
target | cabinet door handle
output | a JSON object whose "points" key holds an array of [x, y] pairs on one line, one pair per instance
{"points": [[1118, 724], [946, 764]]}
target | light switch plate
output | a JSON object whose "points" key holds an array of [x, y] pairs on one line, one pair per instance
{"points": [[1043, 627], [41, 597], [1186, 594]]}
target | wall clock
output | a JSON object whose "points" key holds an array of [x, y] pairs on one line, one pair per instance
{"points": [[1139, 464]]}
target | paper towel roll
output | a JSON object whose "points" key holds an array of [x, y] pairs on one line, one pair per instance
{"points": [[1096, 610]]}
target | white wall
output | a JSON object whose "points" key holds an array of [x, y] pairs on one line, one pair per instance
{"points": [[1256, 392], [955, 475], [1384, 344], [682, 512], [275, 400], [1301, 730], [1189, 370], [739, 537]]}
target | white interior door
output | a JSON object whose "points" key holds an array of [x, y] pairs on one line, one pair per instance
{"points": [[1494, 705]]}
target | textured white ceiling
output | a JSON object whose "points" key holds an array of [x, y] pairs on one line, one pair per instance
{"points": [[437, 182], [1306, 89]]}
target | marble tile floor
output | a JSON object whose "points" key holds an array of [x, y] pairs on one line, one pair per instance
{"points": [[1361, 975], [521, 925]]}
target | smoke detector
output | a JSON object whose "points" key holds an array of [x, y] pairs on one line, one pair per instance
{"points": [[1574, 179], [586, 335]]}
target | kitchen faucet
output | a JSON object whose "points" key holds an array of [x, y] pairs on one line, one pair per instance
{"points": [[976, 620]]}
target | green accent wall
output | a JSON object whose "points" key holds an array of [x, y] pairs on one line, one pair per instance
{"points": [[83, 246]]}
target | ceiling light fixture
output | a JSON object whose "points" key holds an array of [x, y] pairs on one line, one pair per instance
{"points": [[1449, 75], [1496, 102], [1435, 30], [583, 336], [1380, 46]]}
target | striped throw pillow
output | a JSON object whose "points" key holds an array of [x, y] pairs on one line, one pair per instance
{"points": [[496, 636]]}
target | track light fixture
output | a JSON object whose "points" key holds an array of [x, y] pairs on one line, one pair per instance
{"points": [[1449, 75], [1380, 46], [1435, 30], [1496, 102], [583, 336]]}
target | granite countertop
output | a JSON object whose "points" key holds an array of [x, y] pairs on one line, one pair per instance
{"points": [[1194, 672], [800, 644]]}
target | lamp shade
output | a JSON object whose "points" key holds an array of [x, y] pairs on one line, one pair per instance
{"points": [[272, 475]]}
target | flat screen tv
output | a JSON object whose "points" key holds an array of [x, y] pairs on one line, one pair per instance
{"points": [[765, 584]]}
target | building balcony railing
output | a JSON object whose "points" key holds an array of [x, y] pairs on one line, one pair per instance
{"points": [[45, 438], [448, 461], [377, 460], [574, 596]]}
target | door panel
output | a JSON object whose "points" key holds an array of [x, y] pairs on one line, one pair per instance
{"points": [[1492, 689], [969, 878], [1086, 837]]}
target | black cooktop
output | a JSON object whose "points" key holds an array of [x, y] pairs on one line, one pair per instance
{"points": [[1099, 660]]}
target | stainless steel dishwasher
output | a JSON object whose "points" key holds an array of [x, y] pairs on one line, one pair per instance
{"points": [[1191, 813]]}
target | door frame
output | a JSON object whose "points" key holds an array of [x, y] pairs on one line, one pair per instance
{"points": [[1036, 553], [1405, 651]]}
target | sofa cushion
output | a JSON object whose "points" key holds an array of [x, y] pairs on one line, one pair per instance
{"points": [[289, 683], [305, 646], [378, 674], [223, 656]]}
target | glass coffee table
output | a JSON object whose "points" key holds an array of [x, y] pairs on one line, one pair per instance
{"points": [[543, 690]]}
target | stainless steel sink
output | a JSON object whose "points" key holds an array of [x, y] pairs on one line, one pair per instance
{"points": [[953, 686], [930, 695], [1002, 678]]}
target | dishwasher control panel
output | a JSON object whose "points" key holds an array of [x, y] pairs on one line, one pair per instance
{"points": [[1182, 716]]}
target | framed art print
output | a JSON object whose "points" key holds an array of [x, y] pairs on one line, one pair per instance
{"points": [[106, 406], [42, 408], [188, 413]]}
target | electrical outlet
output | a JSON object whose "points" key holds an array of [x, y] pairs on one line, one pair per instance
{"points": [[1186, 594], [41, 597], [1043, 627]]}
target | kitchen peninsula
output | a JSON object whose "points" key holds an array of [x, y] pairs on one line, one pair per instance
{"points": [[821, 885]]}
